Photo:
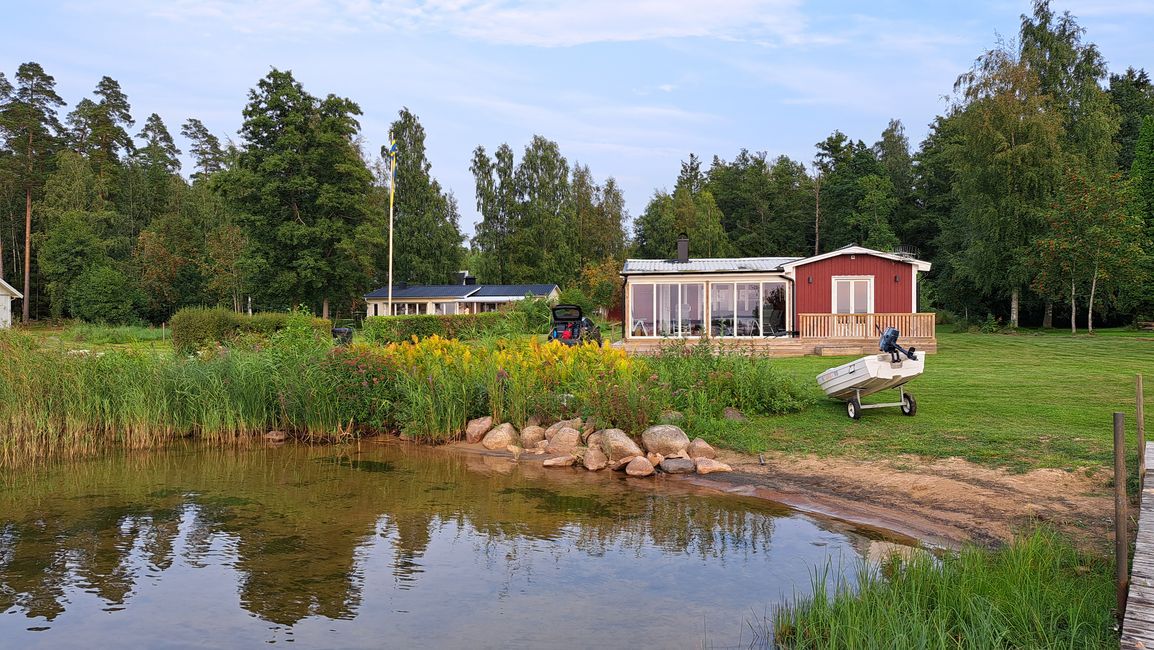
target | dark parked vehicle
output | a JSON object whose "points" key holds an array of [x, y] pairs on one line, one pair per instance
{"points": [[571, 326]]}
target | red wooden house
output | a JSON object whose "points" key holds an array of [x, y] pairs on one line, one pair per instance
{"points": [[834, 303]]}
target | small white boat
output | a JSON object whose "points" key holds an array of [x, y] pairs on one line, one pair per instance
{"points": [[877, 372]]}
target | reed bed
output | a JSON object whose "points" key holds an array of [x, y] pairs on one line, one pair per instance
{"points": [[1038, 592], [58, 403]]}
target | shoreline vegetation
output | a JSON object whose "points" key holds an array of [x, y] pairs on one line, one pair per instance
{"points": [[1037, 592], [68, 403]]}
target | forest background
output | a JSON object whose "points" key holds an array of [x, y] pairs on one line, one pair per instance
{"points": [[1032, 194]]}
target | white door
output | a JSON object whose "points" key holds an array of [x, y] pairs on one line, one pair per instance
{"points": [[854, 297]]}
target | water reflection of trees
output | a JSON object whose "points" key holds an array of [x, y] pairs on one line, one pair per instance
{"points": [[294, 522]]}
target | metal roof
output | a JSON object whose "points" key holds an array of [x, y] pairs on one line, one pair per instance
{"points": [[493, 292], [707, 265]]}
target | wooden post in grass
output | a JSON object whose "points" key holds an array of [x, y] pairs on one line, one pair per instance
{"points": [[1121, 539], [1140, 414]]}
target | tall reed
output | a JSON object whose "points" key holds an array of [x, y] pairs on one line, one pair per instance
{"points": [[54, 402]]}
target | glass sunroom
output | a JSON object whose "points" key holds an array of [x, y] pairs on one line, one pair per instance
{"points": [[697, 302]]}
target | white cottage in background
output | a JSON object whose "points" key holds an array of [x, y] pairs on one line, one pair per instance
{"points": [[7, 293]]}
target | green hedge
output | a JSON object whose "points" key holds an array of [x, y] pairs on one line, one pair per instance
{"points": [[395, 329], [196, 328]]}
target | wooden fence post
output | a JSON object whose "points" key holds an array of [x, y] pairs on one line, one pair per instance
{"points": [[1121, 539], [1140, 414]]}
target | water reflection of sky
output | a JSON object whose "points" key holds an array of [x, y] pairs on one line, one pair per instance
{"points": [[224, 549]]}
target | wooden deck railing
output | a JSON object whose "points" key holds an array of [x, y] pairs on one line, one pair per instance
{"points": [[864, 326]]}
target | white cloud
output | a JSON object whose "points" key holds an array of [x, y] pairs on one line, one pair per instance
{"points": [[542, 23]]}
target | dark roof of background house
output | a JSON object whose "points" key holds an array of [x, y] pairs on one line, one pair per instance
{"points": [[424, 291], [518, 290]]}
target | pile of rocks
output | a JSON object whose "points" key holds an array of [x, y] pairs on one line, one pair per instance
{"points": [[664, 447]]}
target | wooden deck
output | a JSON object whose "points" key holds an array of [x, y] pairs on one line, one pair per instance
{"points": [[1138, 627], [783, 347]]}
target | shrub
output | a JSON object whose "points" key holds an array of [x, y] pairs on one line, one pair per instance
{"points": [[538, 318], [464, 327], [575, 296], [704, 383], [199, 328], [103, 294]]}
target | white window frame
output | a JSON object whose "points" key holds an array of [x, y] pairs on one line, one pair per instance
{"points": [[850, 278], [680, 303]]}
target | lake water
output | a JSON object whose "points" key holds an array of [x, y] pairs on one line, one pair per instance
{"points": [[383, 545]]}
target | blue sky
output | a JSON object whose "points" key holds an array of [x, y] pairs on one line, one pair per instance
{"points": [[628, 88]]}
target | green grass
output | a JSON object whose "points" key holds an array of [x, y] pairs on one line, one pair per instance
{"points": [[1039, 592], [1017, 401], [113, 335]]}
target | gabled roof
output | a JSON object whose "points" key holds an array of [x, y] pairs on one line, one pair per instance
{"points": [[10, 290], [472, 292], [854, 249], [515, 290], [416, 291], [754, 264], [706, 265]]}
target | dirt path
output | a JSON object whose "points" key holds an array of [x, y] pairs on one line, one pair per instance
{"points": [[943, 502]]}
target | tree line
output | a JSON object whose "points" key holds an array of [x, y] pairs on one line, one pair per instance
{"points": [[1033, 191]]}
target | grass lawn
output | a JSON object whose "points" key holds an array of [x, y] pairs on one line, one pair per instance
{"points": [[99, 338], [1020, 401]]}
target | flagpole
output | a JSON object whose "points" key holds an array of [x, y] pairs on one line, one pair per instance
{"points": [[392, 193]]}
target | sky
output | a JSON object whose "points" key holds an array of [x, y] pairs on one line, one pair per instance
{"points": [[629, 88]]}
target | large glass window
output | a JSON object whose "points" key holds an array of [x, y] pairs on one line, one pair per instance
{"points": [[773, 308], [641, 311], [692, 309], [668, 302], [721, 297], [748, 317]]}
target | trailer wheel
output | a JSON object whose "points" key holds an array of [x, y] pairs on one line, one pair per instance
{"points": [[853, 408], [909, 404]]}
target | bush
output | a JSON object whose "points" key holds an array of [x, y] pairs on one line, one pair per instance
{"points": [[104, 295], [464, 327], [198, 328], [703, 383], [575, 296]]}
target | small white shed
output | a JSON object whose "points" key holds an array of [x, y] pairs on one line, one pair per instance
{"points": [[7, 293]]}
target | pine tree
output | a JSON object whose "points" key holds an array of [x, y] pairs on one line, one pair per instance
{"points": [[31, 130]]}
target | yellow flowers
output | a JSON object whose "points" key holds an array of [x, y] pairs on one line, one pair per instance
{"points": [[516, 358]]}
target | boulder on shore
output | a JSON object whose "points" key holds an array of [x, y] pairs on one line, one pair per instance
{"points": [[709, 466], [564, 441], [594, 459], [678, 466], [664, 439], [559, 461], [654, 459], [575, 423], [621, 464], [617, 445], [701, 449], [500, 437], [475, 430], [531, 435], [639, 466], [594, 439], [732, 414]]}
